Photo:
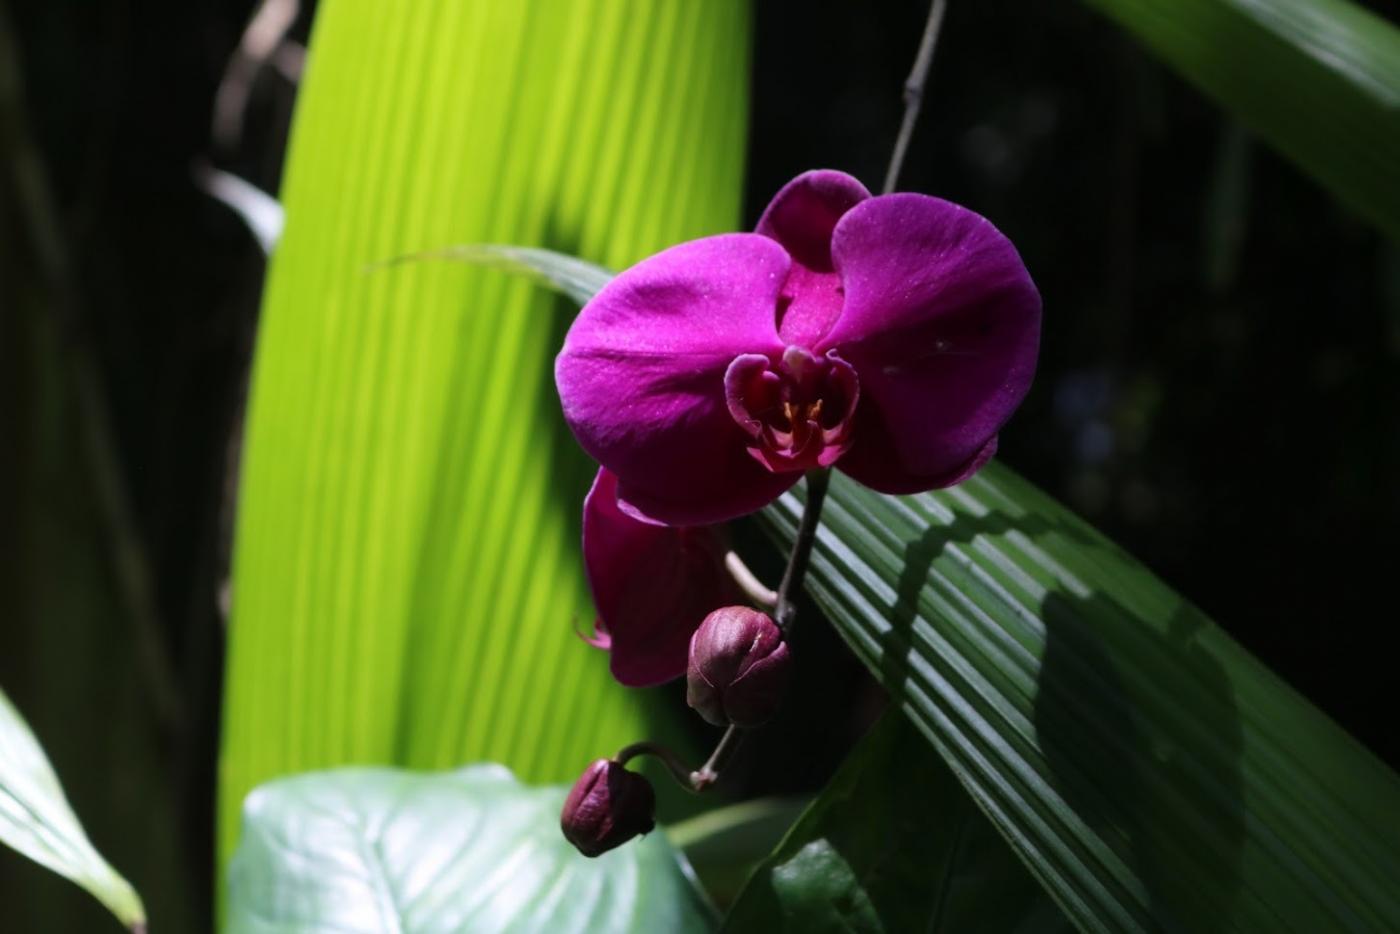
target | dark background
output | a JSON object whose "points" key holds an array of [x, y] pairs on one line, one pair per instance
{"points": [[1218, 388]]}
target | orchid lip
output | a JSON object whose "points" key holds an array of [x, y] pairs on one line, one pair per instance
{"points": [[797, 410]]}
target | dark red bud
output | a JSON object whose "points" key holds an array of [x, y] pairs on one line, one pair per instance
{"points": [[607, 807], [739, 667]]}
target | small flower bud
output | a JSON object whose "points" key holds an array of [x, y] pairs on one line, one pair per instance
{"points": [[607, 807], [739, 667]]}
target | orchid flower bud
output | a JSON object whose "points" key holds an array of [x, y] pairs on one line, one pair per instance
{"points": [[739, 667], [607, 807]]}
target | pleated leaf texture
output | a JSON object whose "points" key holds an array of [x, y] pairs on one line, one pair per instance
{"points": [[407, 573], [1150, 772]]}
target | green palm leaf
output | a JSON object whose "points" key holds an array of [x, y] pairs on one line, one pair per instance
{"points": [[407, 570], [1146, 768], [1317, 79]]}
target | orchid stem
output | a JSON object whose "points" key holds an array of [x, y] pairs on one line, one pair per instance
{"points": [[708, 774], [914, 91], [698, 780], [786, 611], [748, 581], [784, 601], [668, 758]]}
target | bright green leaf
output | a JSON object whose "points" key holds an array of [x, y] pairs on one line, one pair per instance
{"points": [[1318, 79], [376, 849], [36, 820], [893, 844], [407, 575], [1147, 770]]}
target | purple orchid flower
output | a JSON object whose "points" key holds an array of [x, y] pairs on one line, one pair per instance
{"points": [[888, 336], [652, 585]]}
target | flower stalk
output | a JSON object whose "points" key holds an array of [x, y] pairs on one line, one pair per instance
{"points": [[696, 780], [914, 91], [785, 601], [786, 611], [829, 330]]}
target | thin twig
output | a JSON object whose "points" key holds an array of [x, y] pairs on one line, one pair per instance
{"points": [[914, 91], [261, 41], [708, 774]]}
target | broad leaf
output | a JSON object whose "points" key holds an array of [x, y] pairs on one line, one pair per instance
{"points": [[1318, 79], [376, 849], [407, 574], [36, 820], [893, 844], [1149, 771]]}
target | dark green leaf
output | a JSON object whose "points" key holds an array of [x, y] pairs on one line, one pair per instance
{"points": [[377, 849], [1149, 771], [725, 844], [893, 844], [1318, 79]]}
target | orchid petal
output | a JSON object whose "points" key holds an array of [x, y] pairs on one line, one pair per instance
{"points": [[641, 377], [652, 585], [801, 217], [942, 325]]}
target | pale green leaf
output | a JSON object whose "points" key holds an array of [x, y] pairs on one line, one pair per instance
{"points": [[36, 820], [375, 849]]}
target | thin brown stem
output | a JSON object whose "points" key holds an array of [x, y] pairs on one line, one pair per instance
{"points": [[914, 91], [673, 763], [705, 776]]}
